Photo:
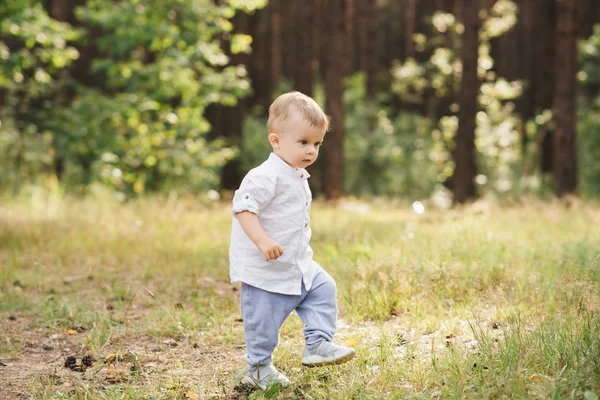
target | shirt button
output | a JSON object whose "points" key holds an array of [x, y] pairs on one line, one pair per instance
{"points": [[305, 224]]}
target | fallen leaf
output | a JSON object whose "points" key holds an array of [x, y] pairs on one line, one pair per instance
{"points": [[115, 376], [112, 358], [190, 395], [535, 377]]}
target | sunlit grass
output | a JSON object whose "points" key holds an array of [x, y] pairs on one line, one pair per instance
{"points": [[478, 302]]}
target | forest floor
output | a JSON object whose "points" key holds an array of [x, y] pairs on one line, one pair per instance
{"points": [[102, 300]]}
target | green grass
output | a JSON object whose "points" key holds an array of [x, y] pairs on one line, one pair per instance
{"points": [[478, 302]]}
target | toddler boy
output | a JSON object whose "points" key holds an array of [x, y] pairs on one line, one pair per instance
{"points": [[270, 252]]}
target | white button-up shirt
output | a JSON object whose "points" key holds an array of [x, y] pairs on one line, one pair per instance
{"points": [[280, 196]]}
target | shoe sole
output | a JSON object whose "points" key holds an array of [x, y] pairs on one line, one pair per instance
{"points": [[340, 360], [253, 384]]}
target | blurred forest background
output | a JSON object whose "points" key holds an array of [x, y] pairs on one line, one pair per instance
{"points": [[441, 99]]}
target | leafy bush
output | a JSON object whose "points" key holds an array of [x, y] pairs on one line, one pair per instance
{"points": [[385, 155], [434, 84], [35, 53], [588, 123], [137, 122]]}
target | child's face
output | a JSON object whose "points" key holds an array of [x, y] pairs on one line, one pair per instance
{"points": [[299, 144]]}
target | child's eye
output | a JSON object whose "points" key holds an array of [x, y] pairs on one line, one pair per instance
{"points": [[304, 141]]}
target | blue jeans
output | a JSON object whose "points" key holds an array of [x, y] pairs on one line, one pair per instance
{"points": [[264, 313]]}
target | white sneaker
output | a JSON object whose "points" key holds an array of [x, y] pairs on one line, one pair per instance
{"points": [[265, 376], [327, 353]]}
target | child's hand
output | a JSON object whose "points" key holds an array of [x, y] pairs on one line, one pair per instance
{"points": [[270, 248]]}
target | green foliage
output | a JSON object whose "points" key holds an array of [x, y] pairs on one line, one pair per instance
{"points": [[136, 121], [435, 84], [254, 144], [385, 155], [588, 123], [589, 55], [44, 47], [35, 52], [588, 143], [119, 99], [382, 156]]}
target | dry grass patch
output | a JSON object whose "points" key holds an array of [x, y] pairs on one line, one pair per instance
{"points": [[477, 302]]}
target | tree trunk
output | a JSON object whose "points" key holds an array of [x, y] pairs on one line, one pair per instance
{"points": [[411, 27], [317, 8], [486, 5], [444, 5], [233, 117], [565, 157], [390, 38], [544, 74], [465, 154], [320, 36], [304, 51], [289, 14], [368, 47], [276, 42], [457, 7], [334, 148], [260, 61], [508, 54], [590, 14], [526, 103], [58, 9], [349, 47]]}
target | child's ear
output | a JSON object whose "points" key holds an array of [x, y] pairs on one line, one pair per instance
{"points": [[274, 140]]}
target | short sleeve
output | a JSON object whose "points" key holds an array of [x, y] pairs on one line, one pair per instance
{"points": [[255, 192]]}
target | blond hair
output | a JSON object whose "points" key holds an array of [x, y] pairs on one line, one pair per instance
{"points": [[308, 108]]}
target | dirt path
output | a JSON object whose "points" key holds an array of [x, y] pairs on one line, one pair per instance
{"points": [[37, 355], [37, 362]]}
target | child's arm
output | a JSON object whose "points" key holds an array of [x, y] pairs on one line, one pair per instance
{"points": [[251, 226]]}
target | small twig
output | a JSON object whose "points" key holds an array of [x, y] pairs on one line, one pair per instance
{"points": [[595, 260], [134, 295], [160, 302], [131, 302]]}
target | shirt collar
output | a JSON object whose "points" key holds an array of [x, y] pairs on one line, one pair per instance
{"points": [[288, 169]]}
